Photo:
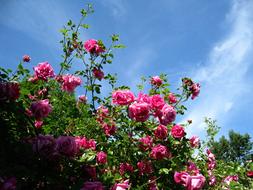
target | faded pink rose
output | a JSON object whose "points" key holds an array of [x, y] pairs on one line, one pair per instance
{"points": [[145, 167], [161, 132], [157, 102], [146, 142], [121, 186], [143, 98], [122, 97], [195, 89], [82, 99], [92, 46], [101, 157], [212, 180], [9, 91], [192, 168], [26, 58], [172, 98], [38, 124], [66, 145], [41, 109], [230, 178], [156, 80], [159, 152], [92, 185], [70, 82], [177, 131], [194, 142], [98, 73], [182, 178], [196, 182], [125, 167], [43, 71], [109, 129], [139, 111], [168, 115]]}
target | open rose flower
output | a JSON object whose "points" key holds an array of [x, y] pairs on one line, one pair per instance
{"points": [[195, 89], [125, 167], [101, 157], [196, 182], [139, 111], [121, 186], [182, 178], [98, 73], [168, 115], [146, 142], [145, 167], [70, 82], [122, 97], [43, 71], [66, 145], [177, 131], [143, 98], [41, 109], [157, 102], [26, 58], [161, 132], [93, 47], [172, 98], [194, 142], [156, 81], [159, 152]]}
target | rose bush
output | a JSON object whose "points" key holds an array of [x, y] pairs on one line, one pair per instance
{"points": [[52, 139]]}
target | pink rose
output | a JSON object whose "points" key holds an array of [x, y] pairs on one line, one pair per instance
{"points": [[93, 47], [168, 115], [82, 99], [156, 80], [101, 157], [195, 89], [146, 142], [192, 168], [9, 91], [159, 152], [177, 131], [230, 178], [172, 98], [38, 124], [139, 111], [182, 178], [26, 58], [66, 145], [161, 132], [122, 97], [109, 129], [143, 98], [92, 185], [97, 73], [157, 102], [196, 182], [70, 82], [125, 167], [145, 167], [212, 180], [121, 186], [194, 142], [85, 143], [41, 109], [43, 71]]}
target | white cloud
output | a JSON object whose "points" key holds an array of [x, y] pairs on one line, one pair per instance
{"points": [[118, 7], [224, 76]]}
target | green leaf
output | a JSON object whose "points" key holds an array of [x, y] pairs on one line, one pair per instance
{"points": [[119, 46]]}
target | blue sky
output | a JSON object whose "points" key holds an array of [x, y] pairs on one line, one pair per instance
{"points": [[210, 41]]}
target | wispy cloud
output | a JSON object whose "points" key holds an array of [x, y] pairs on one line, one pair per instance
{"points": [[224, 76], [118, 7]]}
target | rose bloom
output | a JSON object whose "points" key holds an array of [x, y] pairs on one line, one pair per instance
{"points": [[182, 178], [101, 157], [139, 111], [121, 186], [161, 132], [177, 131], [85, 143], [92, 185], [157, 102], [159, 152], [146, 142], [195, 89], [196, 182], [194, 142], [9, 91], [156, 80], [98, 73], [93, 47], [66, 145], [230, 178], [125, 167], [212, 180], [145, 167], [43, 71], [143, 98], [41, 109], [122, 97], [172, 98], [192, 168], [38, 124], [109, 129], [250, 174], [82, 99], [70, 82], [26, 58], [168, 115]]}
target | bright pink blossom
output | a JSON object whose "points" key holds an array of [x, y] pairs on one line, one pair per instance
{"points": [[196, 182], [249, 174], [145, 167], [194, 142], [161, 132], [159, 152], [230, 178], [146, 142], [168, 115], [182, 178], [70, 82], [26, 58], [177, 131], [157, 102], [41, 109], [156, 80], [109, 128], [143, 98], [38, 124], [85, 143], [66, 145], [139, 111], [98, 73], [121, 186], [82, 99], [122, 97], [92, 46], [172, 98], [195, 89], [101, 157], [125, 167], [43, 71]]}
